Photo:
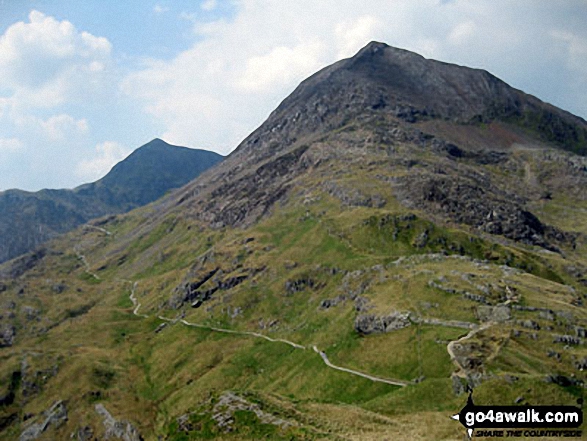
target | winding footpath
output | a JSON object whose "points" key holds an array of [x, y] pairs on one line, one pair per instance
{"points": [[137, 305], [462, 370], [360, 374], [324, 357], [81, 257]]}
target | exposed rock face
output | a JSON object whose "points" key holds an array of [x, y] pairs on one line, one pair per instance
{"points": [[384, 91], [297, 285], [19, 266], [498, 314], [240, 202], [54, 417], [228, 403], [85, 433], [123, 430], [206, 283], [371, 324], [475, 201]]}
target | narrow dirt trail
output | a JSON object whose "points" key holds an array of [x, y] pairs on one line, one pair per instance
{"points": [[450, 347], [137, 305], [323, 356], [360, 374], [81, 257]]}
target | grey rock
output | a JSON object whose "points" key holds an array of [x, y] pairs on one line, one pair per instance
{"points": [[297, 285], [85, 433], [330, 303], [371, 324], [499, 314], [553, 354], [7, 335], [563, 380], [117, 429], [530, 324], [567, 339], [546, 315], [229, 402], [459, 386], [54, 417], [581, 364]]}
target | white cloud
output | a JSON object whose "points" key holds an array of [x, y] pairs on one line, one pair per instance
{"points": [[352, 36], [209, 5], [462, 32], [45, 61], [10, 144], [158, 9], [576, 47], [59, 127], [107, 154], [280, 66]]}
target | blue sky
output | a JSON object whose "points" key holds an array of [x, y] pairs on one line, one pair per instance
{"points": [[82, 84]]}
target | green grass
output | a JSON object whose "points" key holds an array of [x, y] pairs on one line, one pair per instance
{"points": [[153, 378]]}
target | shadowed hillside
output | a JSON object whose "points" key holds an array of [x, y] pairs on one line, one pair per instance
{"points": [[30, 219]]}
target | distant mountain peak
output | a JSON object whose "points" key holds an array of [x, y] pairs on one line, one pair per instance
{"points": [[156, 143], [145, 175]]}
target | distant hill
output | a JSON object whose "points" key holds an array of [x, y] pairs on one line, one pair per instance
{"points": [[27, 219]]}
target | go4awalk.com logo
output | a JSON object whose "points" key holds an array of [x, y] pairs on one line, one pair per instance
{"points": [[518, 421]]}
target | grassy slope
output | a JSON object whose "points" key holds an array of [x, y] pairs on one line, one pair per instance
{"points": [[106, 354]]}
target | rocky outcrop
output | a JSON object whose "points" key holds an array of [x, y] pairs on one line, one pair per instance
{"points": [[567, 339], [54, 417], [241, 202], [7, 335], [352, 197], [498, 314], [123, 430], [85, 433], [473, 200], [207, 283], [19, 266], [229, 403], [372, 324], [297, 285]]}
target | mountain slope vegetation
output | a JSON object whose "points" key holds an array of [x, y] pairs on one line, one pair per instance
{"points": [[395, 217]]}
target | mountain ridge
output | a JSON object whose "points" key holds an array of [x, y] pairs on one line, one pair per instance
{"points": [[336, 95], [413, 256], [28, 219]]}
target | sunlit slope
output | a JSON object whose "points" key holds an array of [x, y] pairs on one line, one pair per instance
{"points": [[339, 247]]}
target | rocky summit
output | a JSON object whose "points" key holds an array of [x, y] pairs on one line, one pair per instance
{"points": [[398, 232]]}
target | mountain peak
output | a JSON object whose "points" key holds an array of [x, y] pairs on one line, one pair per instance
{"points": [[383, 80], [156, 143], [373, 47]]}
